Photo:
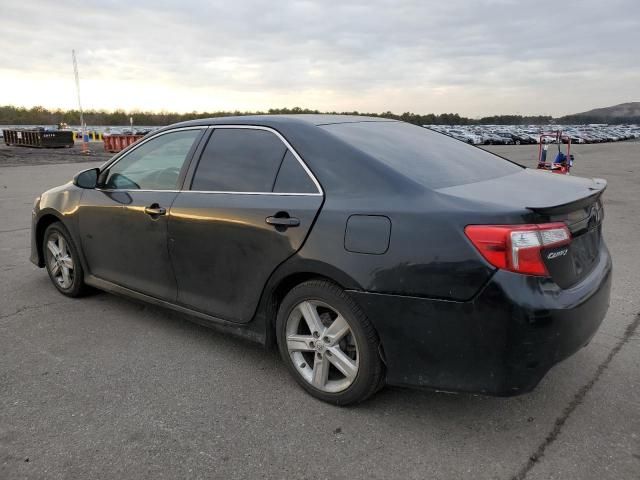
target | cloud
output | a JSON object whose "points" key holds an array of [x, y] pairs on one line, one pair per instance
{"points": [[475, 58]]}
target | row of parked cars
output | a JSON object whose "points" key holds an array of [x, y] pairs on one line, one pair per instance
{"points": [[524, 135]]}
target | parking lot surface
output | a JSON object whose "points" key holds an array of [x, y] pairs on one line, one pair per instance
{"points": [[104, 387]]}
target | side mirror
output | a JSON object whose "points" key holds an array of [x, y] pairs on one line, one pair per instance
{"points": [[87, 178]]}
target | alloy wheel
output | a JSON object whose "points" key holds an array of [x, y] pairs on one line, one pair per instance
{"points": [[60, 260], [322, 346]]}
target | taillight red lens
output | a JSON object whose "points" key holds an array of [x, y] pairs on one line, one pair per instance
{"points": [[517, 247]]}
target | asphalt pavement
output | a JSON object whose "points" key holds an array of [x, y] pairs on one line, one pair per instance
{"points": [[105, 387]]}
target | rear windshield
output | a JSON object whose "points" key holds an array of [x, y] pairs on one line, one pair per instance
{"points": [[428, 157]]}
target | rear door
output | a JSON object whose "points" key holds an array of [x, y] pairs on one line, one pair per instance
{"points": [[247, 206]]}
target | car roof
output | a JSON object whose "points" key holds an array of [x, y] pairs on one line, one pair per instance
{"points": [[279, 120]]}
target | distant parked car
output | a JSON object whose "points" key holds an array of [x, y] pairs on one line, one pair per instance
{"points": [[521, 139], [508, 138], [463, 136], [495, 139], [517, 138]]}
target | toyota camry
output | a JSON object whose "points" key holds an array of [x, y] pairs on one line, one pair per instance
{"points": [[368, 251]]}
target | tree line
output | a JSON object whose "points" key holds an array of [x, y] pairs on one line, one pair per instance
{"points": [[11, 115]]}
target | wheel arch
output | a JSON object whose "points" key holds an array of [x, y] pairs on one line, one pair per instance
{"points": [[43, 222], [287, 277]]}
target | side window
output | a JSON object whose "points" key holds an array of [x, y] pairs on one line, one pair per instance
{"points": [[292, 178], [239, 160], [155, 165]]}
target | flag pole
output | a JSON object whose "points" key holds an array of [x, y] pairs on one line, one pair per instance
{"points": [[85, 138]]}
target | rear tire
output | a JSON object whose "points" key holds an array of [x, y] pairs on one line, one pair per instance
{"points": [[62, 261], [328, 344]]}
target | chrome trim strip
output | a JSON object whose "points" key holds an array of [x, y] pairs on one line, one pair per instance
{"points": [[213, 127], [284, 194]]}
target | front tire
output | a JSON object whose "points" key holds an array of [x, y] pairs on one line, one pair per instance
{"points": [[328, 344], [62, 261]]}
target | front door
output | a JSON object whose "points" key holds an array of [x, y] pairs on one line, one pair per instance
{"points": [[250, 206], [123, 224]]}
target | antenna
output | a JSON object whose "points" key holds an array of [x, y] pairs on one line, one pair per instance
{"points": [[85, 147]]}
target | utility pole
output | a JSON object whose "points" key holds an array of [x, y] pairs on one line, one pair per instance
{"points": [[85, 145]]}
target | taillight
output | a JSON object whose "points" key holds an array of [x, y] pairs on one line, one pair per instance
{"points": [[517, 247]]}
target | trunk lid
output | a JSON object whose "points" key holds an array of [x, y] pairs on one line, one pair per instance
{"points": [[570, 263], [546, 197]]}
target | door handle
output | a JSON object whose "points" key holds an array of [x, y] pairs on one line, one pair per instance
{"points": [[282, 221], [155, 210]]}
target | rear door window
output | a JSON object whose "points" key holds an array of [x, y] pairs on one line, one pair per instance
{"points": [[430, 158], [239, 160], [292, 177]]}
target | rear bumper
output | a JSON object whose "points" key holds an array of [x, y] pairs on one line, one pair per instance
{"points": [[500, 343]]}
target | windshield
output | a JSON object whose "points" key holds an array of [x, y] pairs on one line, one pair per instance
{"points": [[430, 158]]}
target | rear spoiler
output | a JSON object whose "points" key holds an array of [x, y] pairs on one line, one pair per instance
{"points": [[598, 186]]}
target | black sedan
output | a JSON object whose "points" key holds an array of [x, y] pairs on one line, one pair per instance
{"points": [[370, 251]]}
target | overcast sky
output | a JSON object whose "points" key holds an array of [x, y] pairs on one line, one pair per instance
{"points": [[470, 57]]}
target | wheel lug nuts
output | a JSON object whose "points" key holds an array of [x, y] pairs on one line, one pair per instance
{"points": [[316, 334], [326, 340], [312, 344], [328, 352], [319, 355]]}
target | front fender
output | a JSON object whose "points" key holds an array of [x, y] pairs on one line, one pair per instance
{"points": [[58, 204]]}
